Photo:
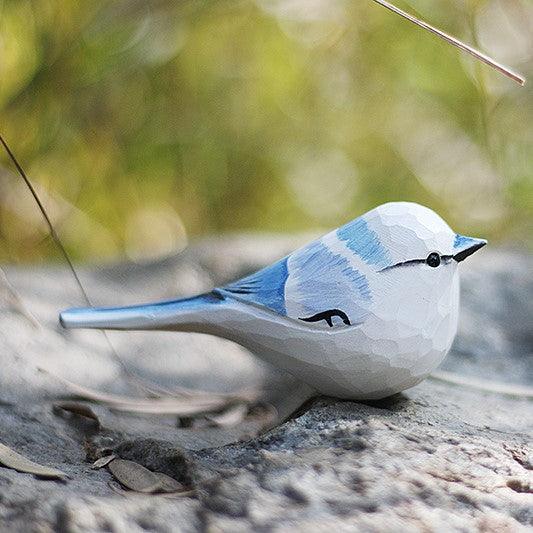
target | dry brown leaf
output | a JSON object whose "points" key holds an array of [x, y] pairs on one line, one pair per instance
{"points": [[169, 484], [103, 461], [76, 408], [115, 487], [135, 476], [14, 460]]}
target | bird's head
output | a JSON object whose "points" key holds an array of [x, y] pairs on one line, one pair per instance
{"points": [[410, 257], [396, 263], [410, 236]]}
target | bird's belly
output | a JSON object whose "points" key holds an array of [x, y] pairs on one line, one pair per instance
{"points": [[370, 361]]}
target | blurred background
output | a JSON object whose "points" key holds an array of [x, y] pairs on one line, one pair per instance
{"points": [[147, 124]]}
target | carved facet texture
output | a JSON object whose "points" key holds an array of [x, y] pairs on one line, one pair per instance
{"points": [[368, 310], [402, 311]]}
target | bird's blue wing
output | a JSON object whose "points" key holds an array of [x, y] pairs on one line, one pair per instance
{"points": [[266, 287], [311, 282], [321, 280]]}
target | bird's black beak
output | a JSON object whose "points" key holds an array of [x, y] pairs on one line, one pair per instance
{"points": [[465, 246]]}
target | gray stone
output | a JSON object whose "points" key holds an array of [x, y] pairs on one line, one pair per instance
{"points": [[438, 457]]}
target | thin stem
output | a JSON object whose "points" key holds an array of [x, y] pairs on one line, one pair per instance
{"points": [[66, 256], [480, 56]]}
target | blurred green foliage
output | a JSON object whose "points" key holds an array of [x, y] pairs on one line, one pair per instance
{"points": [[145, 124]]}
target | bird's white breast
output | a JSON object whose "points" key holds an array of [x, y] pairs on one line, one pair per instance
{"points": [[405, 337]]}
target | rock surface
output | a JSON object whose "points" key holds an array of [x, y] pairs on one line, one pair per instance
{"points": [[438, 457]]}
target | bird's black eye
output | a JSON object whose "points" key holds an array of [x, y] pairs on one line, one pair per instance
{"points": [[433, 259]]}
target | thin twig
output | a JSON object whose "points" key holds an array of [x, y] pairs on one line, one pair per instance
{"points": [[16, 302], [168, 405], [496, 387], [506, 71], [57, 240], [51, 228]]}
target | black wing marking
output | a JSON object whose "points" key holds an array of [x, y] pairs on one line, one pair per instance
{"points": [[327, 316]]}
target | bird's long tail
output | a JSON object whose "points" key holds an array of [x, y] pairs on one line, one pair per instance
{"points": [[183, 314]]}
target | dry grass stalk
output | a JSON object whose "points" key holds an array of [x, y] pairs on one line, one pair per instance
{"points": [[480, 56]]}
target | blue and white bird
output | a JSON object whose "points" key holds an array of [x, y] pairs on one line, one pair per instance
{"points": [[366, 311]]}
